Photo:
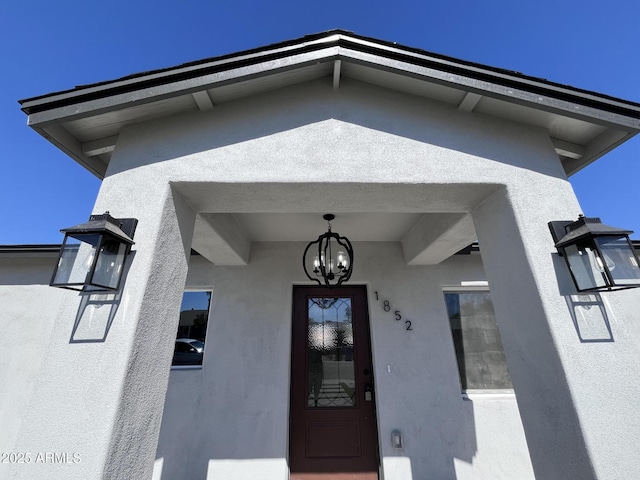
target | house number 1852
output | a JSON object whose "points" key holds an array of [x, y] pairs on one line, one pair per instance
{"points": [[386, 306]]}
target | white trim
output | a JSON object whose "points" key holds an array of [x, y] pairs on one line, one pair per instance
{"points": [[472, 286], [475, 394]]}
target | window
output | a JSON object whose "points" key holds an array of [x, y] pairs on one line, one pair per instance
{"points": [[481, 360], [192, 329]]}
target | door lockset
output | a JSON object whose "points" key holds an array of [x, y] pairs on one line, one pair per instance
{"points": [[368, 392]]}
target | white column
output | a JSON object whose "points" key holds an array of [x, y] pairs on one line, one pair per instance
{"points": [[100, 395], [577, 411]]}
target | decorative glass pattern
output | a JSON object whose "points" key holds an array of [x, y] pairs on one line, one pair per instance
{"points": [[330, 368]]}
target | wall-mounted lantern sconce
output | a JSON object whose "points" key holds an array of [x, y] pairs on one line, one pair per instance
{"points": [[333, 262], [93, 254], [599, 257]]}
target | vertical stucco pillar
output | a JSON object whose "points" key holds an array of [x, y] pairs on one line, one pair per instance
{"points": [[100, 398], [569, 392]]}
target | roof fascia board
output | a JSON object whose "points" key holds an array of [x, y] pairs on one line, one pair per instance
{"points": [[30, 251], [513, 94], [380, 49], [166, 76], [474, 70], [191, 85], [133, 98]]}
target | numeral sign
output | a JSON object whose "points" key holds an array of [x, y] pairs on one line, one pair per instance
{"points": [[386, 306]]}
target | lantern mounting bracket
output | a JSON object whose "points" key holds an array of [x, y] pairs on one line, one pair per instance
{"points": [[558, 229]]}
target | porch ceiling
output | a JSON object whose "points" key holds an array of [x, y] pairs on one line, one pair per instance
{"points": [[85, 122], [431, 224], [426, 238], [304, 227]]}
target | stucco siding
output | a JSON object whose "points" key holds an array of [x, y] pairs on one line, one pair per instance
{"points": [[233, 413], [97, 375], [310, 134], [28, 307]]}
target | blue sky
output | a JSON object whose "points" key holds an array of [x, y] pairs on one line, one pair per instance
{"points": [[49, 46]]}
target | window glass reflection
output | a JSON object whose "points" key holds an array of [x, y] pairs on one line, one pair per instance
{"points": [[481, 360], [192, 329]]}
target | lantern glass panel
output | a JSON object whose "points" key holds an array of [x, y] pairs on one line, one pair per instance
{"points": [[585, 266], [109, 265], [76, 259], [620, 259]]}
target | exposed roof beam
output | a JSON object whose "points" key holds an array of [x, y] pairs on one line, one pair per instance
{"points": [[66, 142], [469, 102], [100, 146], [203, 100], [438, 236], [336, 73], [219, 239], [603, 143], [568, 149]]}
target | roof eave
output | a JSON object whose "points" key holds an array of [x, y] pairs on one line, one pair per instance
{"points": [[48, 112]]}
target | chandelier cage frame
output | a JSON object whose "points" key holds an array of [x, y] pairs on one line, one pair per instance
{"points": [[328, 273]]}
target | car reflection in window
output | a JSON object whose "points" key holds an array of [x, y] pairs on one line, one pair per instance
{"points": [[188, 351]]}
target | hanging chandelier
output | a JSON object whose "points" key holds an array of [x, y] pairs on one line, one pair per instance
{"points": [[332, 262]]}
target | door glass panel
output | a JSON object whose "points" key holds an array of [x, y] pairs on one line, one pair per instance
{"points": [[330, 369]]}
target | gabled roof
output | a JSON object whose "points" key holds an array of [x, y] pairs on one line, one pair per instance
{"points": [[85, 121]]}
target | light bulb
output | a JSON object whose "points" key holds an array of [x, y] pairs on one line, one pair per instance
{"points": [[88, 261], [610, 263]]}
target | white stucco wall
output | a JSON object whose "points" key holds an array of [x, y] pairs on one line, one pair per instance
{"points": [[232, 415], [310, 148], [28, 307]]}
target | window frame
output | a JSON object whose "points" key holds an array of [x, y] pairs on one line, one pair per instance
{"points": [[204, 351], [471, 287]]}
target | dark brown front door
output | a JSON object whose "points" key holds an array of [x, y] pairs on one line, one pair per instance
{"points": [[332, 431]]}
